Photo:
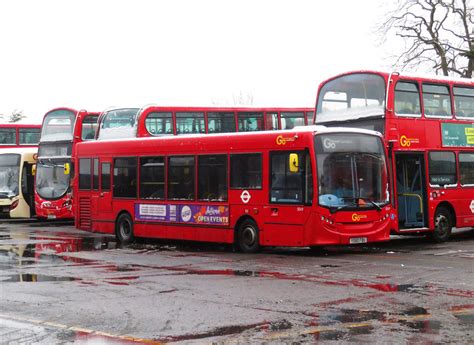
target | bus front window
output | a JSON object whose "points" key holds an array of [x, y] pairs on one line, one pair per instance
{"points": [[9, 175], [352, 171], [118, 124], [58, 125], [349, 97], [51, 181]]}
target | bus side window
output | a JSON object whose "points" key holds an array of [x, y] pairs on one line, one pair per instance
{"points": [[464, 101], [152, 177], [246, 171], [95, 174], [159, 123], [105, 177], [466, 168], [436, 100], [407, 99], [190, 122], [212, 178], [442, 165], [85, 182], [181, 178], [125, 177]]}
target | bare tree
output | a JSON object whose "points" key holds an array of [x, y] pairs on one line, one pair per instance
{"points": [[243, 98], [16, 116], [437, 32]]}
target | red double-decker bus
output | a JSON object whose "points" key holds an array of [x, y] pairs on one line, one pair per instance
{"points": [[19, 135], [62, 129], [428, 127], [161, 120], [304, 187]]}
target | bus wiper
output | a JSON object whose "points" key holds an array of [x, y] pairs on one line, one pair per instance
{"points": [[50, 164], [377, 206]]}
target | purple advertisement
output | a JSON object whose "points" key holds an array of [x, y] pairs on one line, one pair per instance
{"points": [[192, 214]]}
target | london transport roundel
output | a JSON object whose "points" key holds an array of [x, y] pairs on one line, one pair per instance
{"points": [[245, 196], [472, 206]]}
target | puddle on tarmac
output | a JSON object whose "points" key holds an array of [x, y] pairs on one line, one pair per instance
{"points": [[216, 332], [355, 316], [346, 334], [467, 319], [280, 325], [33, 278], [423, 326]]}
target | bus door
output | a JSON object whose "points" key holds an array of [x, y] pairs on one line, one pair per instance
{"points": [[27, 186], [411, 190], [105, 196], [290, 194]]}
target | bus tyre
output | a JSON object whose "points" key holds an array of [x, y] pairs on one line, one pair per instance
{"points": [[443, 225], [124, 229], [247, 237]]}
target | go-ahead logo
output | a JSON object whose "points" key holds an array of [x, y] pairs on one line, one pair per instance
{"points": [[358, 217], [406, 142], [329, 144], [281, 140]]}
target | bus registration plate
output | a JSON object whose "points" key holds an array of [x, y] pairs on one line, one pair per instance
{"points": [[356, 240], [51, 216]]}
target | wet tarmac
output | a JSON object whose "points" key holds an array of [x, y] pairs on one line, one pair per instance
{"points": [[61, 285]]}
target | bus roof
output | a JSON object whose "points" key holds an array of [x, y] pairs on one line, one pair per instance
{"points": [[219, 137], [423, 76], [225, 108], [20, 125]]}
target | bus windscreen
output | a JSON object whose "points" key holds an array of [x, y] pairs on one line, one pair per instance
{"points": [[9, 175], [352, 171]]}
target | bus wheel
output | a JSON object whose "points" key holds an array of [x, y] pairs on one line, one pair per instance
{"points": [[247, 237], [124, 229], [443, 225]]}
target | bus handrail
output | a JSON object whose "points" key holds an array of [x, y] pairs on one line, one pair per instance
{"points": [[416, 196]]}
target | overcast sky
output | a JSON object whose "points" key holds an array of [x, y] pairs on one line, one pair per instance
{"points": [[94, 54]]}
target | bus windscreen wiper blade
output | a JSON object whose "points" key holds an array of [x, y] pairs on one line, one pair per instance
{"points": [[377, 206]]}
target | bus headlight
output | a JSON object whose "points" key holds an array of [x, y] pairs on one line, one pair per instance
{"points": [[14, 204]]}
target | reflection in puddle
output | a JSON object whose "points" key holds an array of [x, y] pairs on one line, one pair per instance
{"points": [[349, 315], [216, 332], [423, 326], [33, 278], [467, 319], [347, 334]]}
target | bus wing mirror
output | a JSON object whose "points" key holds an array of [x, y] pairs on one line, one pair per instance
{"points": [[33, 169], [293, 163], [67, 168]]}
